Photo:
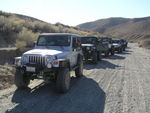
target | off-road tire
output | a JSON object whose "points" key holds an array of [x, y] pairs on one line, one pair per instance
{"points": [[79, 69], [112, 52], [106, 53], [99, 56], [63, 80], [124, 48], [21, 80], [120, 50], [94, 57]]}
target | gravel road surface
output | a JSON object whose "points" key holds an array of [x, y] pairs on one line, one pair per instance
{"points": [[117, 84]]}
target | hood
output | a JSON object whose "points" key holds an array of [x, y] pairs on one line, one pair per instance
{"points": [[115, 44], [89, 45], [44, 52]]}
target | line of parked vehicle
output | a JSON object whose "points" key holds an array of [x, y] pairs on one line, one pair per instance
{"points": [[93, 47], [55, 55]]}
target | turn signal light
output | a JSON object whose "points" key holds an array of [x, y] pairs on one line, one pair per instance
{"points": [[56, 63]]}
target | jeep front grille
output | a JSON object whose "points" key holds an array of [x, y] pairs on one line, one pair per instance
{"points": [[37, 59]]}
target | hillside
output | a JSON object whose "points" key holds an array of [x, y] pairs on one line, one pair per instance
{"points": [[20, 30], [132, 29]]}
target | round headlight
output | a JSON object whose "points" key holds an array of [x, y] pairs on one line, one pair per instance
{"points": [[48, 62], [25, 58], [48, 59], [49, 65]]}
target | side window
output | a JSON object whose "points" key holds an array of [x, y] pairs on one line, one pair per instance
{"points": [[77, 43], [74, 44]]}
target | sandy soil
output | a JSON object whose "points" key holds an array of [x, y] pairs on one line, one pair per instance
{"points": [[118, 84], [6, 76]]}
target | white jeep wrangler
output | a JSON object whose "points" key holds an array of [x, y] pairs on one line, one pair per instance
{"points": [[52, 59]]}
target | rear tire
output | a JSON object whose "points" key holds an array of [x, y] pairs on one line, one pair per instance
{"points": [[94, 57], [21, 80], [63, 80], [79, 69]]}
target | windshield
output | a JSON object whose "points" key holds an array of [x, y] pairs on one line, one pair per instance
{"points": [[104, 40], [88, 40], [54, 40], [116, 41]]}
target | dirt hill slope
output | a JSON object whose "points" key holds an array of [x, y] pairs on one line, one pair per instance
{"points": [[131, 29]]}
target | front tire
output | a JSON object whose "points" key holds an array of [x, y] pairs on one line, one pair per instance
{"points": [[21, 80], [99, 56], [63, 80], [106, 53], [112, 52]]}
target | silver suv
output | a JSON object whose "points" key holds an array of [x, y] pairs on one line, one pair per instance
{"points": [[52, 59]]}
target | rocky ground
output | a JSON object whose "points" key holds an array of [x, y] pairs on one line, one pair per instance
{"points": [[117, 84], [6, 76]]}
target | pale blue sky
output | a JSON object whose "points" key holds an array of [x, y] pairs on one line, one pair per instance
{"points": [[74, 12]]}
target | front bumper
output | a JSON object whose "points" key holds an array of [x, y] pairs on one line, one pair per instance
{"points": [[36, 69], [88, 54], [117, 48]]}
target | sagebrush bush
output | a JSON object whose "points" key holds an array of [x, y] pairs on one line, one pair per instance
{"points": [[27, 36], [145, 43], [20, 44]]}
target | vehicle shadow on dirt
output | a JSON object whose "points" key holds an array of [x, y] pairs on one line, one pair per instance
{"points": [[85, 96], [116, 57], [103, 64], [126, 52]]}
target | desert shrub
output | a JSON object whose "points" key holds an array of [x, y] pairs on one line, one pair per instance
{"points": [[20, 44], [27, 36], [145, 43]]}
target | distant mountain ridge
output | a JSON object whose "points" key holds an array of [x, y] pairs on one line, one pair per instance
{"points": [[131, 29]]}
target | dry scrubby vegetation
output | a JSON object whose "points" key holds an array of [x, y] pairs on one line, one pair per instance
{"points": [[6, 76], [19, 30], [145, 43]]}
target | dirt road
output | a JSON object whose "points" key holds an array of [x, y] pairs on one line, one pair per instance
{"points": [[118, 84]]}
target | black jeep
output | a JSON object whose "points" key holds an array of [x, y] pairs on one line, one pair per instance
{"points": [[91, 48]]}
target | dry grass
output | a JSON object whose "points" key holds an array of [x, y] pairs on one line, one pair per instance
{"points": [[145, 43], [6, 76]]}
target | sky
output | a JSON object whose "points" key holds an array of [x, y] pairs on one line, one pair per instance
{"points": [[74, 12]]}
